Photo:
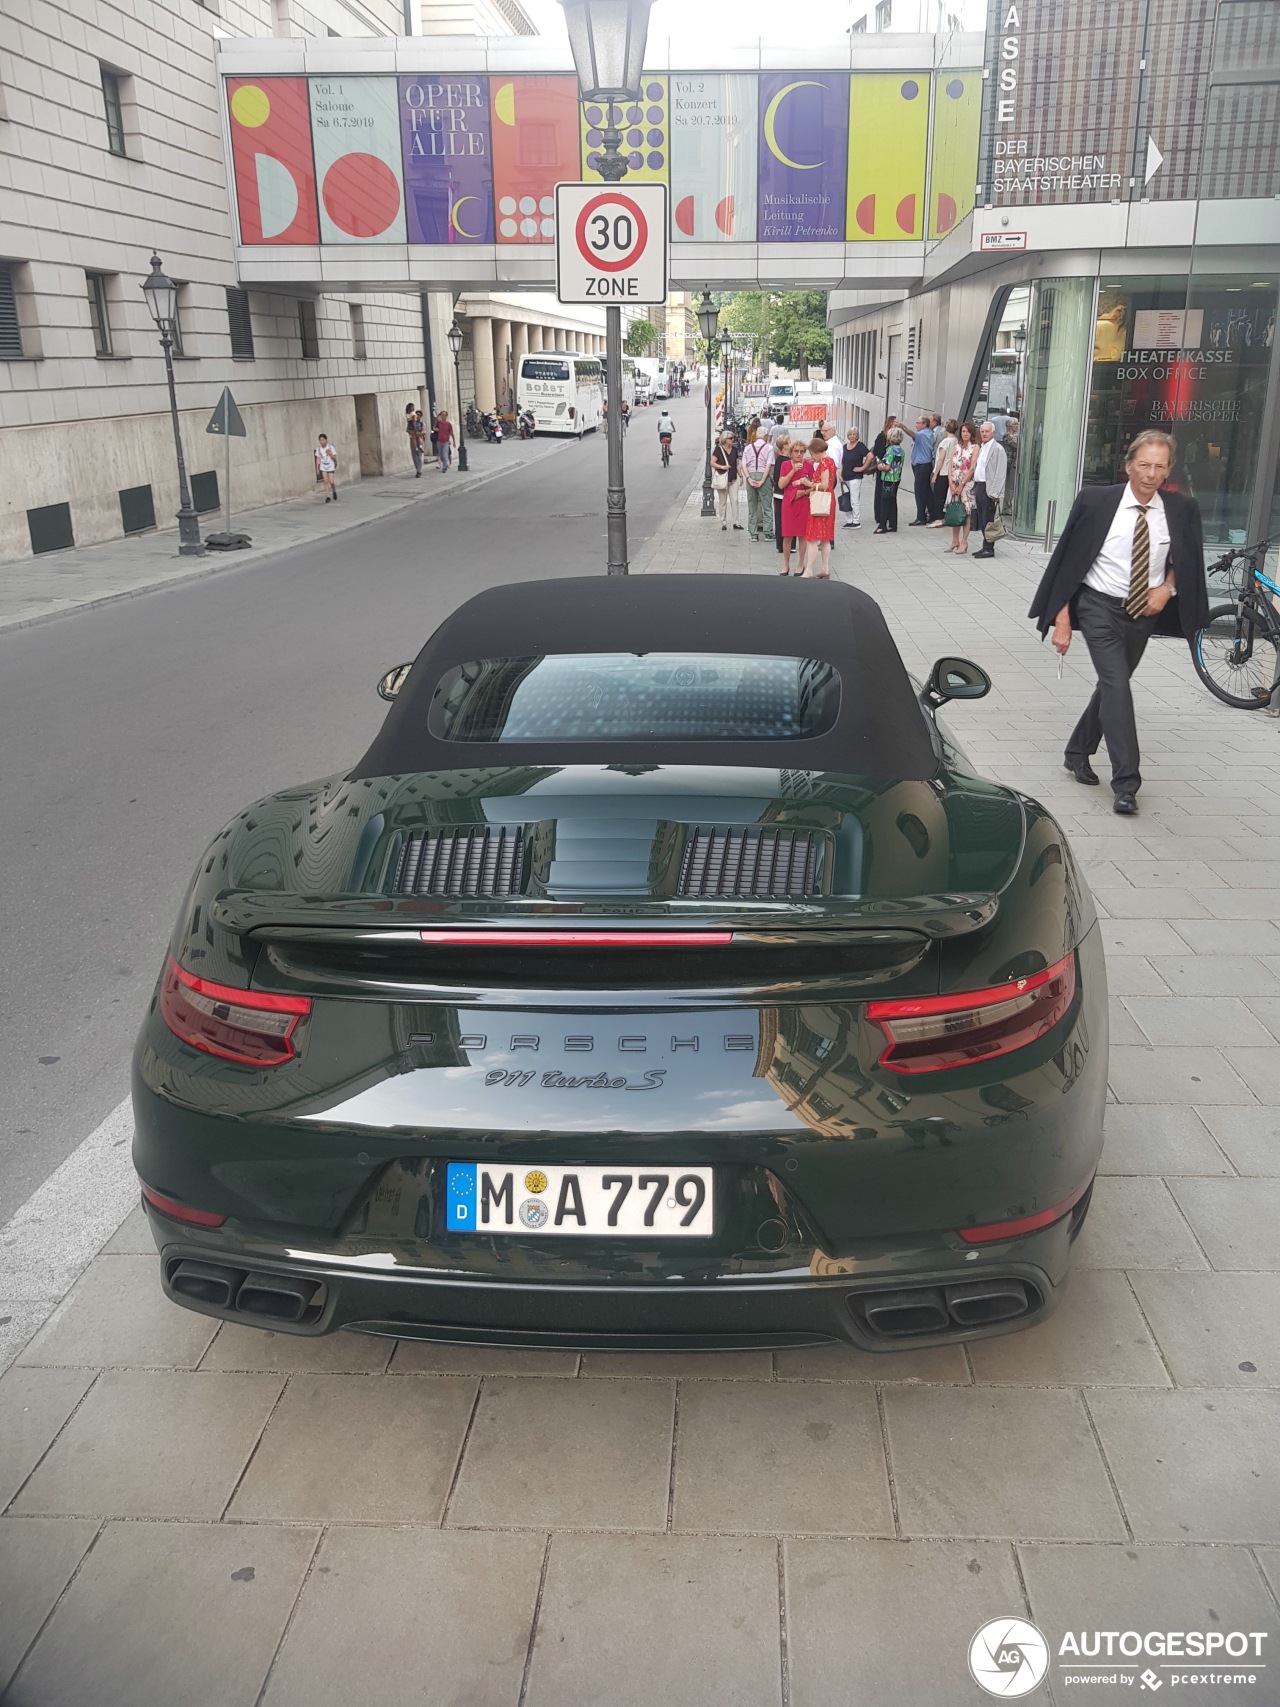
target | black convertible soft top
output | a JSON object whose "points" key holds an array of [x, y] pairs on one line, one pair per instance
{"points": [[880, 731]]}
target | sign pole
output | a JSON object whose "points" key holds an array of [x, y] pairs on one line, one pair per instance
{"points": [[226, 445], [617, 495]]}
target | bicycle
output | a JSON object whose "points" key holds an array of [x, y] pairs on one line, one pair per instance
{"points": [[1237, 653], [666, 451]]}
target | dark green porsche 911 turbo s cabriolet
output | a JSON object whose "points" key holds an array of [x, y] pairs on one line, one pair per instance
{"points": [[663, 975]]}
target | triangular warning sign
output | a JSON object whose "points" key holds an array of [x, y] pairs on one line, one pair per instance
{"points": [[226, 418], [1155, 160]]}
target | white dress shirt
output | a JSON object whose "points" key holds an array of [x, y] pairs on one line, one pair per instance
{"points": [[1113, 565]]}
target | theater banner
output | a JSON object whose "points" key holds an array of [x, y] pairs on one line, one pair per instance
{"points": [[472, 159]]}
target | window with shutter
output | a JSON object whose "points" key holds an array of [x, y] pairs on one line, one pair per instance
{"points": [[240, 324], [10, 328]]}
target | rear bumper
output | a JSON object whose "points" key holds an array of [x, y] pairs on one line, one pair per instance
{"points": [[860, 1305]]}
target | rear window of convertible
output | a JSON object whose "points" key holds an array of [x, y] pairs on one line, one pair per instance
{"points": [[629, 696]]}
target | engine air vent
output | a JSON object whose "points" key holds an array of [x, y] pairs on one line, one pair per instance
{"points": [[480, 861], [765, 861]]}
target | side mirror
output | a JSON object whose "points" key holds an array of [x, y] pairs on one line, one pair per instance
{"points": [[956, 678], [394, 680]]}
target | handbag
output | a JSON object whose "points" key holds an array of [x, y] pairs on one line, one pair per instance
{"points": [[994, 529], [719, 479], [820, 504], [845, 501], [955, 515]]}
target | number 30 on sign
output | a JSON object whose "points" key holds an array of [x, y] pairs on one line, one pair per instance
{"points": [[611, 243]]}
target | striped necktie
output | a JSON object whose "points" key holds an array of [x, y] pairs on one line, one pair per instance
{"points": [[1140, 573]]}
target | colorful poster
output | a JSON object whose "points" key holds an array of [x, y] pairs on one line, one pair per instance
{"points": [[535, 129], [803, 157], [355, 136], [953, 162], [270, 122], [713, 158], [448, 161], [646, 136], [886, 185]]}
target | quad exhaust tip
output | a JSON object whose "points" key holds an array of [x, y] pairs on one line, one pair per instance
{"points": [[256, 1296], [910, 1311]]}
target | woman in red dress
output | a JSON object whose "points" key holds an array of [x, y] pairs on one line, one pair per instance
{"points": [[795, 507], [818, 473]]}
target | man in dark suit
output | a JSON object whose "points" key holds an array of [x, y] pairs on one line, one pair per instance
{"points": [[1130, 564]]}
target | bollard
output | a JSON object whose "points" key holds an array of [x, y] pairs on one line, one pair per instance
{"points": [[1050, 518]]}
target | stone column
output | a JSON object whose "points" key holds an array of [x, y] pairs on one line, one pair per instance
{"points": [[501, 347], [535, 335], [482, 361], [519, 346]]}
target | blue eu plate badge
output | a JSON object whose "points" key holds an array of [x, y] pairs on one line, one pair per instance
{"points": [[461, 1196]]}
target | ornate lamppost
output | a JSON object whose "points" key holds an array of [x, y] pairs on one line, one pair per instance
{"points": [[608, 39], [161, 296], [708, 321], [455, 337]]}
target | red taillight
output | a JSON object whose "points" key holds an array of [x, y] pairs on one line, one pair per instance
{"points": [[578, 939], [1025, 1224], [929, 1033], [238, 1025], [180, 1212]]}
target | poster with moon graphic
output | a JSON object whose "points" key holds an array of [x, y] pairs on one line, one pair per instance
{"points": [[355, 137], [448, 161], [646, 135], [886, 185], [535, 131], [803, 156], [957, 115], [713, 158], [270, 123]]}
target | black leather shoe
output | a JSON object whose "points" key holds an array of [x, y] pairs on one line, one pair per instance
{"points": [[1083, 772], [983, 554], [1126, 805]]}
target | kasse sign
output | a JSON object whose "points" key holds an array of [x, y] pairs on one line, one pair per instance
{"points": [[611, 243]]}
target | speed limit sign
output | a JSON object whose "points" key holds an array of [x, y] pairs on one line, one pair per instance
{"points": [[611, 243]]}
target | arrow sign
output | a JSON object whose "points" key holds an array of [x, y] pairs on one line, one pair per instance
{"points": [[226, 418], [1155, 160]]}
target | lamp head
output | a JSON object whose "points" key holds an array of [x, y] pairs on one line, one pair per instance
{"points": [[608, 40], [454, 335], [161, 296]]}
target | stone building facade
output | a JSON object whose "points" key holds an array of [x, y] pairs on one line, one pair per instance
{"points": [[111, 146]]}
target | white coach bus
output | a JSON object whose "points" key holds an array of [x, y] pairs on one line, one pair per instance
{"points": [[564, 390]]}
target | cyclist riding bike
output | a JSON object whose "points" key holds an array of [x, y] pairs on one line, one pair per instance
{"points": [[666, 427]]}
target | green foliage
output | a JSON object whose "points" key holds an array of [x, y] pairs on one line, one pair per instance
{"points": [[788, 327], [640, 338]]}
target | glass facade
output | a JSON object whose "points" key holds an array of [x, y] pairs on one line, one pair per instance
{"points": [[1191, 358]]}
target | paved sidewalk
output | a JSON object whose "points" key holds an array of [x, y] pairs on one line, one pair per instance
{"points": [[37, 588], [204, 1513]]}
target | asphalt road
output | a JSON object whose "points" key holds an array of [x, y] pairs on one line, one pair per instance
{"points": [[133, 731]]}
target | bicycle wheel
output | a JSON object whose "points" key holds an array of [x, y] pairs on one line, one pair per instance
{"points": [[1236, 655]]}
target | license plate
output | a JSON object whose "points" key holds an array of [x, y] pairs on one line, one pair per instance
{"points": [[596, 1202]]}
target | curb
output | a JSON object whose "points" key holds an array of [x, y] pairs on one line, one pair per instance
{"points": [[245, 560]]}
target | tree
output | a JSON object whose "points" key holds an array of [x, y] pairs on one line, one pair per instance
{"points": [[640, 339], [788, 327]]}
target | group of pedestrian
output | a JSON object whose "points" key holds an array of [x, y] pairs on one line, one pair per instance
{"points": [[416, 431]]}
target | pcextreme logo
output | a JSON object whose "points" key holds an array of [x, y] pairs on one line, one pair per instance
{"points": [[1009, 1657]]}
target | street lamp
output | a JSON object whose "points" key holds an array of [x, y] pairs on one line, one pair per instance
{"points": [[161, 295], [454, 335], [708, 321], [608, 39]]}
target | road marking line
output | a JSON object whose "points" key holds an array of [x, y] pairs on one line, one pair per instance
{"points": [[55, 1235]]}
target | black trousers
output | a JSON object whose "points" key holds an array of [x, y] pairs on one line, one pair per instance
{"points": [[940, 490], [923, 477], [889, 506], [1116, 643], [983, 510], [777, 522]]}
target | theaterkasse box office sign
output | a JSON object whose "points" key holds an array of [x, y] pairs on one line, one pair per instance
{"points": [[611, 243]]}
